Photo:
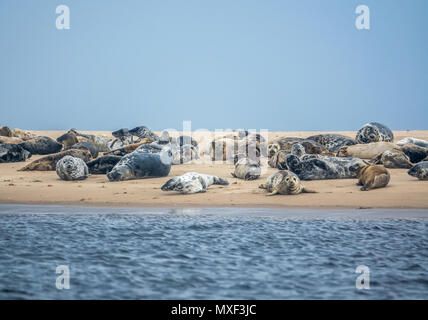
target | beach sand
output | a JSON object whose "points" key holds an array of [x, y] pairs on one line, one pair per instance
{"points": [[45, 187]]}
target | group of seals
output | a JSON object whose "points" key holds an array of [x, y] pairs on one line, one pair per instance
{"points": [[284, 182], [192, 182]]}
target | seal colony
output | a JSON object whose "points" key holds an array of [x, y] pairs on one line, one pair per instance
{"points": [[139, 153]]}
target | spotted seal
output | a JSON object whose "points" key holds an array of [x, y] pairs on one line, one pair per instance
{"points": [[374, 132], [284, 182], [143, 163], [278, 160], [48, 163], [372, 176], [420, 170], [13, 153], [414, 152], [103, 164], [247, 169], [71, 168], [394, 159], [285, 143], [192, 182], [324, 167], [332, 142], [41, 145], [418, 142], [129, 148]]}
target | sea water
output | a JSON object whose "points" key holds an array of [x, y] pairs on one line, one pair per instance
{"points": [[217, 253]]}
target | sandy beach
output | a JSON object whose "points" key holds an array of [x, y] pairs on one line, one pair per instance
{"points": [[45, 187]]}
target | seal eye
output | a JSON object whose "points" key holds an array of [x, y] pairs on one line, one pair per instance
{"points": [[287, 179]]}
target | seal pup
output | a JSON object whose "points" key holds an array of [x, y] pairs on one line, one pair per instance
{"points": [[374, 132], [418, 142], [372, 176], [192, 182], [246, 169], [71, 168], [103, 164], [41, 145], [332, 142], [13, 153], [284, 182], [324, 167], [143, 163], [48, 163], [365, 151], [419, 170], [394, 159]]}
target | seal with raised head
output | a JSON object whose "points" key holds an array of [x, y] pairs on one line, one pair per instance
{"points": [[332, 142], [48, 163], [71, 168], [103, 164], [324, 167], [143, 163], [247, 169], [420, 170], [372, 176], [192, 182], [68, 139], [143, 132], [394, 159], [284, 182], [374, 132], [13, 153], [41, 145], [418, 142]]}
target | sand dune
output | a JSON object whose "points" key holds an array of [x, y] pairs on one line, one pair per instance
{"points": [[38, 187]]}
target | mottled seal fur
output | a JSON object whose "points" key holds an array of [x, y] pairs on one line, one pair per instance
{"points": [[374, 132], [332, 142], [142, 163], [284, 182], [418, 142], [129, 148], [419, 170], [324, 167], [71, 168], [48, 163], [103, 164], [278, 160], [311, 146], [85, 146], [192, 182], [414, 152], [247, 169], [143, 132], [372, 176], [394, 159], [365, 151], [13, 153], [100, 142], [41, 145]]}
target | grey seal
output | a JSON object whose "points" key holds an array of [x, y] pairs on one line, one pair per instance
{"points": [[103, 164], [192, 182], [13, 153], [332, 142], [418, 142], [284, 182], [41, 145], [419, 170], [48, 163], [71, 168], [374, 132], [247, 169]]}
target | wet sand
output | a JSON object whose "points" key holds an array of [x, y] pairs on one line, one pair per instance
{"points": [[45, 187]]}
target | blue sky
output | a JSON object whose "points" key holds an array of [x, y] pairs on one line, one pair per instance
{"points": [[271, 64]]}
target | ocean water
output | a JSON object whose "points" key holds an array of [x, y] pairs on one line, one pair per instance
{"points": [[216, 253]]}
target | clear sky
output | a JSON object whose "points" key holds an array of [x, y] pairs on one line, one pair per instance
{"points": [[255, 64]]}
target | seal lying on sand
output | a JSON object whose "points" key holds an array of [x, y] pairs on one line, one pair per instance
{"points": [[192, 182], [394, 159], [10, 140], [143, 132], [366, 151], [103, 165], [143, 163], [41, 145], [71, 168], [418, 142], [324, 167], [49, 162], [13, 153], [420, 170], [284, 182], [414, 152], [100, 142], [16, 133], [247, 169], [372, 176], [85, 146], [311, 146], [130, 147], [332, 142], [374, 132], [68, 139], [278, 160]]}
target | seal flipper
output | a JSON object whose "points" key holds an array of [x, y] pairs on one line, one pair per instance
{"points": [[220, 181], [305, 190], [274, 192]]}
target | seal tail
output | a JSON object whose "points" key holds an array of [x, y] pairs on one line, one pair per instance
{"points": [[221, 181], [381, 180]]}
